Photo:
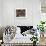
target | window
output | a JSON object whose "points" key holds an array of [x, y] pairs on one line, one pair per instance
{"points": [[43, 6]]}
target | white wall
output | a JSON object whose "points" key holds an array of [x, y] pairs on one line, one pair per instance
{"points": [[36, 12], [0, 12], [33, 12]]}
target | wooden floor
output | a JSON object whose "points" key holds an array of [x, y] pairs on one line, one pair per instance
{"points": [[14, 44], [42, 41]]}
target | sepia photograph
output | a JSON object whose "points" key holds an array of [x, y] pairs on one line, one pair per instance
{"points": [[20, 12]]}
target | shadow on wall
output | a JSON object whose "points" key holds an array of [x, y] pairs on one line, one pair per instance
{"points": [[1, 32]]}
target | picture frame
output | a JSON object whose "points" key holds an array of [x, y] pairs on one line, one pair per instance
{"points": [[20, 12]]}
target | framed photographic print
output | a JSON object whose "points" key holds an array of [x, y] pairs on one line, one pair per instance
{"points": [[20, 12]]}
